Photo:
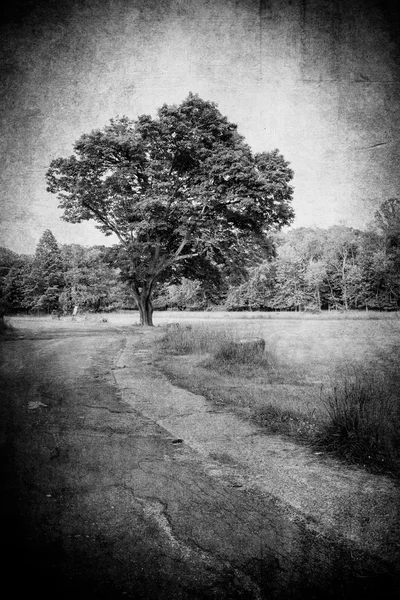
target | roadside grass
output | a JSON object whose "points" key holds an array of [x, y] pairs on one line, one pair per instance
{"points": [[356, 416], [363, 419], [210, 361]]}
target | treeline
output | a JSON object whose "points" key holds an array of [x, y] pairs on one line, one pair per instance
{"points": [[339, 268], [307, 269], [323, 269], [57, 278]]}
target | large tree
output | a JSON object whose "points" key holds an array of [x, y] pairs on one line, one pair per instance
{"points": [[183, 192]]}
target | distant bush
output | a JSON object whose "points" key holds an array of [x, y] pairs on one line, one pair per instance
{"points": [[300, 424], [5, 326], [363, 423]]}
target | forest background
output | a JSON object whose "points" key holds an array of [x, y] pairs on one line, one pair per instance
{"points": [[305, 269]]}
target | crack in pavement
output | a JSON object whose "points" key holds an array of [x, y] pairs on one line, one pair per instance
{"points": [[108, 409], [158, 511]]}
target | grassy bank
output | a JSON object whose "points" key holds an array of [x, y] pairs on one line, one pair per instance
{"points": [[351, 412]]}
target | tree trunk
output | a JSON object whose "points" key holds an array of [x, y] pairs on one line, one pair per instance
{"points": [[145, 310], [319, 299], [344, 284]]}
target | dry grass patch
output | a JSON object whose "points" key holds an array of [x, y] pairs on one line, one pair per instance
{"points": [[363, 424]]}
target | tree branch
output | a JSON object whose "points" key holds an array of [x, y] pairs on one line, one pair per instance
{"points": [[105, 221]]}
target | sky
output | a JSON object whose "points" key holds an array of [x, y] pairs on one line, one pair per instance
{"points": [[317, 79]]}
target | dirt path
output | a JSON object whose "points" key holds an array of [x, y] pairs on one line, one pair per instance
{"points": [[103, 500]]}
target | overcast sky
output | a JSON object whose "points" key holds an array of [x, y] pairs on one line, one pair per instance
{"points": [[318, 79]]}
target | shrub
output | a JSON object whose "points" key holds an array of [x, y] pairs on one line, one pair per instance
{"points": [[363, 423], [5, 326]]}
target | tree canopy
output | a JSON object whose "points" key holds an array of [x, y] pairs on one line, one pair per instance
{"points": [[183, 193]]}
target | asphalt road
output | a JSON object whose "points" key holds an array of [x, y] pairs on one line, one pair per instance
{"points": [[100, 501]]}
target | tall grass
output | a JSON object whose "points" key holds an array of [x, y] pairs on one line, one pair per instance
{"points": [[222, 347], [185, 339], [363, 420]]}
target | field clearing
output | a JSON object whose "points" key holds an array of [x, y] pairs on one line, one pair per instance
{"points": [[320, 343], [315, 346]]}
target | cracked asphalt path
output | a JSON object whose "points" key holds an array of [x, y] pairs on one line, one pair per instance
{"points": [[102, 501]]}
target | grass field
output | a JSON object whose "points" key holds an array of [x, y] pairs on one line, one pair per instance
{"points": [[315, 371]]}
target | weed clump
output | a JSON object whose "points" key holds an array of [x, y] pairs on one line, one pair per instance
{"points": [[292, 423], [363, 421]]}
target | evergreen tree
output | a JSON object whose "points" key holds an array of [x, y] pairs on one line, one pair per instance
{"points": [[46, 280], [7, 260], [17, 285]]}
